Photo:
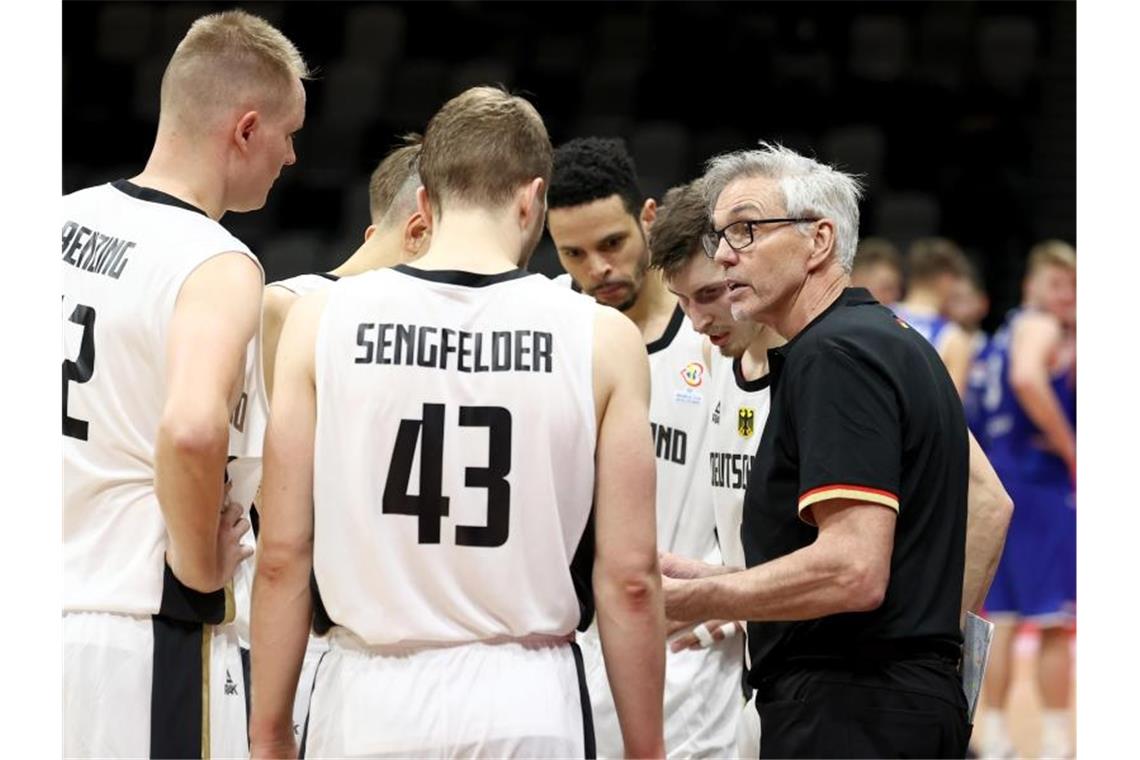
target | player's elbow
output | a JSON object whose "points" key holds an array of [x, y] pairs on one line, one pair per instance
{"points": [[194, 436], [1002, 510], [283, 560], [1023, 381], [631, 588]]}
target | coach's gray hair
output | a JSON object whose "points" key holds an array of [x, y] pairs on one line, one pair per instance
{"points": [[810, 188]]}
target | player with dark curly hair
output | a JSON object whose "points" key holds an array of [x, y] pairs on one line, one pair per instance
{"points": [[599, 220]]}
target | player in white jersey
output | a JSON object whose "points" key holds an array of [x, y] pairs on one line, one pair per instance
{"points": [[398, 233], [161, 310], [437, 438], [737, 356], [598, 220]]}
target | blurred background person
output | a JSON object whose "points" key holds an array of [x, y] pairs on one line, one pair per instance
{"points": [[933, 268], [878, 268], [967, 306], [1031, 418]]}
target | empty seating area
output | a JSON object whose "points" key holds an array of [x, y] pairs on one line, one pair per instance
{"points": [[942, 107]]}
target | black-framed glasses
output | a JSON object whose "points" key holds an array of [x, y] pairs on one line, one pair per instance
{"points": [[739, 235]]}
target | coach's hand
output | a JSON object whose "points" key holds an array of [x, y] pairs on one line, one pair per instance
{"points": [[675, 566]]}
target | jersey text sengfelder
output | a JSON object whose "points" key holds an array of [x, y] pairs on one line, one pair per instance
{"points": [[434, 347]]}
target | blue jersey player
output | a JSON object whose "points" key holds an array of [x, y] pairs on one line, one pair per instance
{"points": [[934, 267], [1030, 430], [967, 306]]}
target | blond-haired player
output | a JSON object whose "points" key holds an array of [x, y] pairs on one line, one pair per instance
{"points": [[438, 436], [161, 309]]}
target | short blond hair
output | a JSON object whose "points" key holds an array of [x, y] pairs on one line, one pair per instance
{"points": [[481, 146], [229, 60], [392, 186], [1056, 253]]}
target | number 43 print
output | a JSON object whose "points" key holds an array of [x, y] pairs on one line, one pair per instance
{"points": [[431, 506]]}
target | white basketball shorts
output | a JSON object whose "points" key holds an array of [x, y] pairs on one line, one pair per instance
{"points": [[142, 686], [471, 700]]}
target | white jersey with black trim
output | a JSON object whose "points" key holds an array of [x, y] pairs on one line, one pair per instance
{"points": [[303, 284], [739, 411], [678, 417], [127, 250], [702, 691], [454, 459]]}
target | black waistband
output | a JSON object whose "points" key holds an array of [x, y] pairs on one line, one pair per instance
{"points": [[884, 650]]}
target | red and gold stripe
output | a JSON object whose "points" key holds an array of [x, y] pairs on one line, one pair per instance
{"points": [[847, 491]]}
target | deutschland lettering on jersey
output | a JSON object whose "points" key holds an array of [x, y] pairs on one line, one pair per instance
{"points": [[92, 251], [730, 470], [670, 444], [434, 347]]}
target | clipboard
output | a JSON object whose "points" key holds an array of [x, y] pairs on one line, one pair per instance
{"points": [[977, 636]]}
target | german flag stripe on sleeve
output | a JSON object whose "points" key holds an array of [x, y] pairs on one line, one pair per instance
{"points": [[845, 491]]}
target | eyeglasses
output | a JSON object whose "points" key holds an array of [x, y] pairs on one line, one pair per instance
{"points": [[739, 235]]}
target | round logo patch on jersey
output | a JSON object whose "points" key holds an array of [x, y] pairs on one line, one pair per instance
{"points": [[693, 374]]}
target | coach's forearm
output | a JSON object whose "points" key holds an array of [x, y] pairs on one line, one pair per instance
{"points": [[279, 632], [989, 510], [190, 463], [809, 583], [631, 624]]}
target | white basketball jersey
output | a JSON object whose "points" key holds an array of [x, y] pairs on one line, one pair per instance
{"points": [[678, 417], [454, 461], [126, 252], [303, 284], [702, 689], [564, 280], [739, 411]]}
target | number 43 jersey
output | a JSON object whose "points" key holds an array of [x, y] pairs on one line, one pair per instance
{"points": [[454, 459]]}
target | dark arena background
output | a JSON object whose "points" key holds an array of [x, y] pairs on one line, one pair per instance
{"points": [[960, 115]]}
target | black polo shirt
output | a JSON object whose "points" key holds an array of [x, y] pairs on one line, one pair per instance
{"points": [[862, 407]]}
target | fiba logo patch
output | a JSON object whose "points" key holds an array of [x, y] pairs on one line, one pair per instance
{"points": [[693, 374], [746, 422]]}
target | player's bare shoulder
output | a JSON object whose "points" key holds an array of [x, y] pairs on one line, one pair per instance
{"points": [[276, 303], [619, 354], [299, 333]]}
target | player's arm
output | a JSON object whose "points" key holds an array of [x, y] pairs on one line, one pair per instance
{"points": [[627, 587], [282, 604], [215, 316], [988, 512], [956, 353], [1035, 338], [275, 307]]}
